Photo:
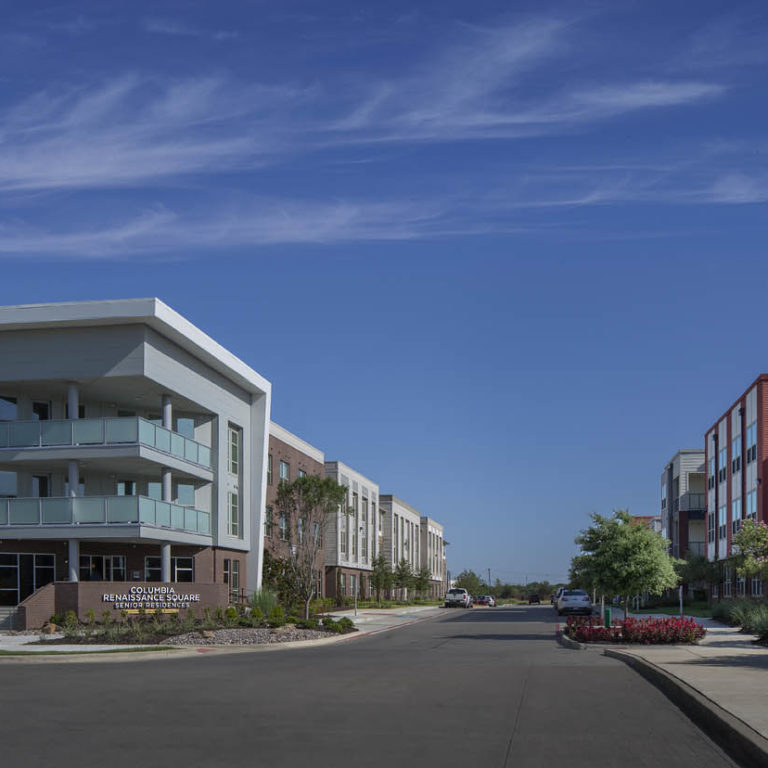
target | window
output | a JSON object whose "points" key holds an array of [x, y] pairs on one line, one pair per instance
{"points": [[722, 459], [343, 535], [182, 569], [185, 495], [41, 486], [234, 450], [715, 590], [353, 583], [8, 408], [736, 455], [186, 427], [722, 521], [710, 526], [41, 411], [752, 442], [268, 522], [317, 534], [285, 471], [711, 473], [126, 488], [752, 505], [741, 586], [80, 411], [319, 584], [364, 533], [102, 568], [302, 473], [757, 586], [80, 487], [232, 578], [735, 515], [234, 514], [663, 495], [283, 527], [727, 586], [300, 530], [269, 469]]}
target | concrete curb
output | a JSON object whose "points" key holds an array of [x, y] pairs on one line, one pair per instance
{"points": [[567, 642], [745, 745]]}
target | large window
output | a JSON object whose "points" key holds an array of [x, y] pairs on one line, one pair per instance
{"points": [[232, 578], [182, 569], [102, 568], [234, 514], [722, 521], [283, 527], [722, 465], [736, 455], [285, 471], [752, 505], [269, 469], [711, 526], [22, 574], [235, 448], [8, 408], [752, 442], [711, 473], [735, 515]]}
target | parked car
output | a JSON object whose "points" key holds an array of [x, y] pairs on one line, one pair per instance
{"points": [[574, 601], [458, 598], [556, 595], [491, 601], [534, 600], [480, 600]]}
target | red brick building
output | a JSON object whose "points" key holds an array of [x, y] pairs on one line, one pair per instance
{"points": [[735, 467]]}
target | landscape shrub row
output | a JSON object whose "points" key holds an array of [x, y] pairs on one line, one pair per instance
{"points": [[750, 615], [646, 631]]}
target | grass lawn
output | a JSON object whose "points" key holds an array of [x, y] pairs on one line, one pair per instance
{"points": [[698, 610]]}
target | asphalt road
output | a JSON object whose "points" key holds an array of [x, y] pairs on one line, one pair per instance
{"points": [[485, 687]]}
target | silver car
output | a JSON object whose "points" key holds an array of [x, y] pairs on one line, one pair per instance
{"points": [[574, 601]]}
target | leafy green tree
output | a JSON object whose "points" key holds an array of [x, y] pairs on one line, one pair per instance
{"points": [[307, 503], [422, 579], [470, 581], [403, 577], [381, 575], [752, 543], [621, 557]]}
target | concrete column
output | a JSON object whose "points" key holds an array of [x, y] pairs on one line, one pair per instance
{"points": [[73, 476], [74, 560], [73, 400], [167, 491], [165, 562], [167, 412]]}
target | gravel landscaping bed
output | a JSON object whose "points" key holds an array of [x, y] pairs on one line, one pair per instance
{"points": [[246, 636]]}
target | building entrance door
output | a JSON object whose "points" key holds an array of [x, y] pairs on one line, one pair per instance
{"points": [[21, 574]]}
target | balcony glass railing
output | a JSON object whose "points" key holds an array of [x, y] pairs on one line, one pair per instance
{"points": [[103, 510], [93, 432], [691, 501]]}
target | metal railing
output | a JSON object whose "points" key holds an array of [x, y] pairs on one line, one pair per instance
{"points": [[690, 501], [105, 431], [103, 510]]}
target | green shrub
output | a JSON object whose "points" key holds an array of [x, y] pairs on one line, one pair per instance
{"points": [[231, 616], [219, 615], [56, 619], [307, 623], [71, 624], [320, 605], [257, 617], [276, 617], [208, 622], [292, 619], [346, 624], [265, 600], [331, 624]]}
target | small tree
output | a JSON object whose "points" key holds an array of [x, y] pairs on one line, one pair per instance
{"points": [[381, 575], [422, 579], [621, 557], [307, 503], [403, 577], [751, 542], [470, 581]]}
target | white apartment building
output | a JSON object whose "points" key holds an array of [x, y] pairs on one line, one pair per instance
{"points": [[133, 448], [351, 536], [401, 524], [433, 554]]}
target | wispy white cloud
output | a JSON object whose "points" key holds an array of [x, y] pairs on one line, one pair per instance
{"points": [[180, 29]]}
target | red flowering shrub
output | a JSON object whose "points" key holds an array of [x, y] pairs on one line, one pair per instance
{"points": [[647, 631]]}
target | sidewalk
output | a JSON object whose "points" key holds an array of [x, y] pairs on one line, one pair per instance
{"points": [[368, 621], [727, 670]]}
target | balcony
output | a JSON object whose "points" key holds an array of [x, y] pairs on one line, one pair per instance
{"points": [[693, 501], [103, 432], [697, 547], [103, 511]]}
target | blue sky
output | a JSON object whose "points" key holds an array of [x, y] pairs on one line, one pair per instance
{"points": [[503, 258]]}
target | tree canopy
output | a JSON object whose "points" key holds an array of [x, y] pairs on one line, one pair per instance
{"points": [[622, 557], [752, 543], [470, 581]]}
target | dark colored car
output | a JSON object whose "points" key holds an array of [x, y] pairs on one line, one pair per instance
{"points": [[480, 600], [534, 600]]}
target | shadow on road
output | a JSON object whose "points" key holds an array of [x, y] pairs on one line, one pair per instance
{"points": [[512, 615], [548, 636], [758, 662]]}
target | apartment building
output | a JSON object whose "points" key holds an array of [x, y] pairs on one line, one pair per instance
{"points": [[684, 503], [133, 450], [433, 555], [351, 536], [289, 458], [401, 524], [735, 455]]}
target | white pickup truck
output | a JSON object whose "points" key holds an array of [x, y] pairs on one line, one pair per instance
{"points": [[458, 598]]}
